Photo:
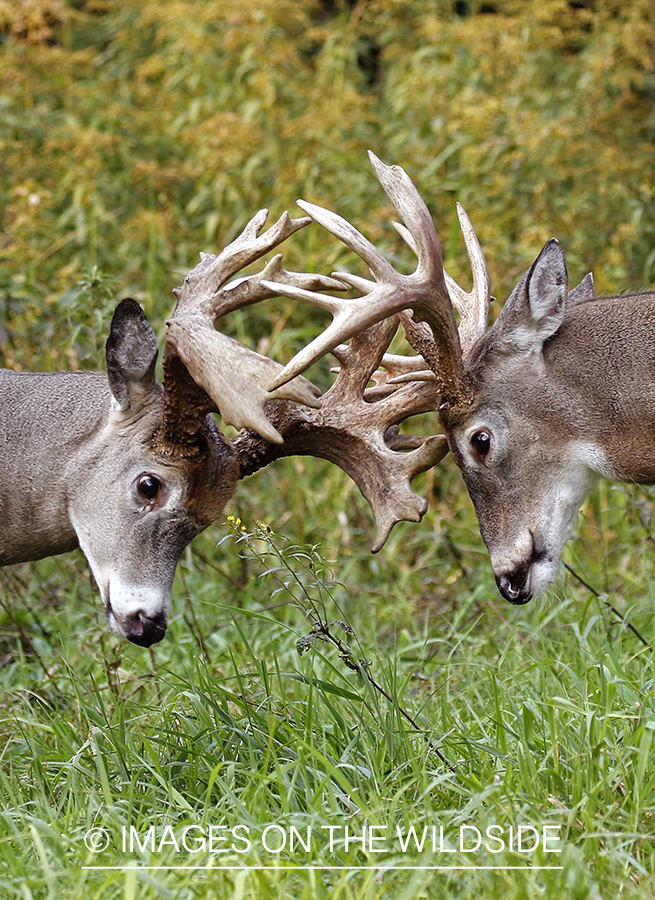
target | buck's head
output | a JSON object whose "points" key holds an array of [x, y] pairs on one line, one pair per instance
{"points": [[158, 471], [136, 500], [525, 469]]}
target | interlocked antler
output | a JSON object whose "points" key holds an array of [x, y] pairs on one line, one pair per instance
{"points": [[356, 426], [425, 292], [358, 435], [350, 425]]}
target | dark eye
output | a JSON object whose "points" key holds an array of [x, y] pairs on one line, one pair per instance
{"points": [[148, 486], [481, 441]]}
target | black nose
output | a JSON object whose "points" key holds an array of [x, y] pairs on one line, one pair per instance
{"points": [[145, 630], [514, 589]]}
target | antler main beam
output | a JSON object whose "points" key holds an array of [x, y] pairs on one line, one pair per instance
{"points": [[358, 435]]}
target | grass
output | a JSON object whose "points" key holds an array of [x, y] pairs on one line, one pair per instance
{"points": [[228, 733]]}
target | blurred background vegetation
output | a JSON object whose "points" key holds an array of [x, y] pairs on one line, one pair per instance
{"points": [[135, 134]]}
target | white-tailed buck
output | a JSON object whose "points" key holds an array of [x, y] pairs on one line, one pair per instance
{"points": [[131, 471], [559, 391]]}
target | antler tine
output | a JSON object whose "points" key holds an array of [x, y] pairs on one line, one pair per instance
{"points": [[243, 292], [348, 234], [473, 307], [409, 205], [406, 235], [424, 291], [393, 370], [399, 370], [202, 284]]}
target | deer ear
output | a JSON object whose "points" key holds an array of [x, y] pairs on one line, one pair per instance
{"points": [[586, 290], [131, 355], [535, 309], [548, 287]]}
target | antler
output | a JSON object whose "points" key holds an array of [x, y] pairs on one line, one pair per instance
{"points": [[473, 308], [425, 292], [206, 371], [353, 425]]}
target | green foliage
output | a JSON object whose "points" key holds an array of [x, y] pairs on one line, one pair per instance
{"points": [[132, 136]]}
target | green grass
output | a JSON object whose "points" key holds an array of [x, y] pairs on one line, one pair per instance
{"points": [[543, 715]]}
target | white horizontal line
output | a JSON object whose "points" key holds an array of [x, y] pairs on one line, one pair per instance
{"points": [[380, 868]]}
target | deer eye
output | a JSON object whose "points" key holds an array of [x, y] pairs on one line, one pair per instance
{"points": [[481, 442], [148, 487]]}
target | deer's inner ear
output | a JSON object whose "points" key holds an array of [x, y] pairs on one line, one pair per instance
{"points": [[131, 352]]}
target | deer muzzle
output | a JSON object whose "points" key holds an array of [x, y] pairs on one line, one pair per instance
{"points": [[145, 630], [139, 615]]}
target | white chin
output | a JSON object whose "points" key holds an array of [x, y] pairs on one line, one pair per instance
{"points": [[542, 575]]}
